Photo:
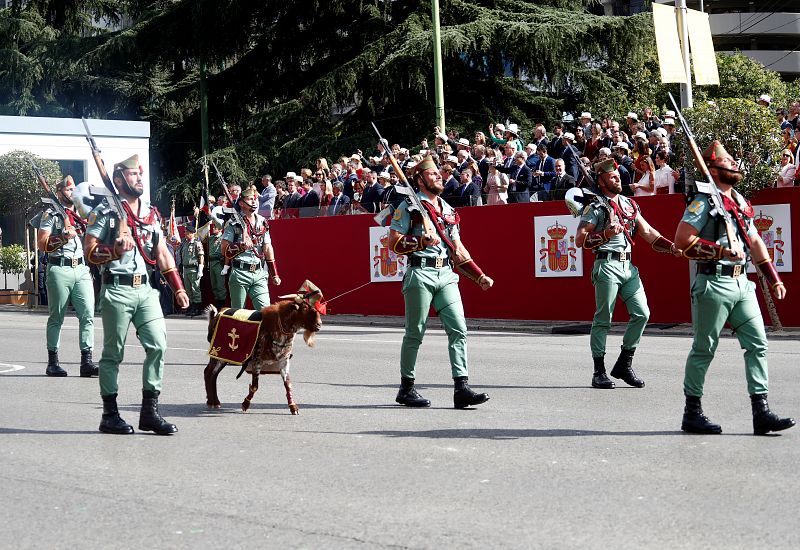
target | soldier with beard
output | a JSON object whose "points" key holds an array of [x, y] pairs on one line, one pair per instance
{"points": [[607, 227], [722, 293], [246, 254], [431, 279], [68, 279], [127, 297]]}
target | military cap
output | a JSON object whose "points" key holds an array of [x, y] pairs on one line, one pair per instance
{"points": [[249, 192], [66, 182], [426, 164], [715, 151], [605, 166], [130, 163]]}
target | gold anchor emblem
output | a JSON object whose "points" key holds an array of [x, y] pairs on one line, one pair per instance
{"points": [[233, 345]]}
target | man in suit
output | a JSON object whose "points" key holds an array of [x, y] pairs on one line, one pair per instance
{"points": [[562, 182], [519, 178], [309, 205], [570, 156], [373, 193], [556, 146], [451, 183], [543, 171], [340, 202], [466, 190], [293, 198]]}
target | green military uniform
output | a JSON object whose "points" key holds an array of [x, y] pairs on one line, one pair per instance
{"points": [[428, 284], [216, 263], [247, 276], [192, 256], [68, 280], [127, 297], [613, 275], [717, 299]]}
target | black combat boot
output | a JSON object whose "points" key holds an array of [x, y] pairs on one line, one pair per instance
{"points": [[464, 397], [764, 420], [600, 379], [149, 419], [53, 366], [88, 368], [189, 310], [622, 369], [112, 422], [408, 395], [694, 421], [220, 304], [197, 310]]}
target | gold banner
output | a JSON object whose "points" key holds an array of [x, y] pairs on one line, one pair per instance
{"points": [[670, 59], [704, 62]]}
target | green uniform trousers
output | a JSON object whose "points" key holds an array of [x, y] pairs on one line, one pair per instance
{"points": [[217, 280], [122, 305], [423, 286], [191, 282], [612, 278], [253, 283], [64, 285], [715, 301]]}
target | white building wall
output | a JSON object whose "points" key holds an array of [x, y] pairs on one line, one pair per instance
{"points": [[64, 139]]}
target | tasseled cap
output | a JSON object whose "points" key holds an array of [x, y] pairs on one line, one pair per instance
{"points": [[249, 193], [605, 166], [66, 182], [426, 164], [130, 163], [715, 151], [310, 293]]}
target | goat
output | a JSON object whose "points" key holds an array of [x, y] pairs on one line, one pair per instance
{"points": [[278, 324]]}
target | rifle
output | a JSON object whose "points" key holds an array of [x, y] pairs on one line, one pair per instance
{"points": [[114, 202], [406, 188], [710, 188], [237, 215], [52, 198]]}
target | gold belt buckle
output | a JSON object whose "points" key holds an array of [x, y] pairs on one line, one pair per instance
{"points": [[439, 262], [737, 270], [137, 279], [623, 256], [253, 268], [75, 262]]}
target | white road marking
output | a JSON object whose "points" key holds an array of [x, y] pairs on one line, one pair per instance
{"points": [[8, 367]]}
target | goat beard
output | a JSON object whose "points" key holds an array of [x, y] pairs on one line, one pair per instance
{"points": [[308, 337]]}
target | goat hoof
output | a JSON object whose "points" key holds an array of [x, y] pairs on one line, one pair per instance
{"points": [[211, 405], [294, 409], [245, 406]]}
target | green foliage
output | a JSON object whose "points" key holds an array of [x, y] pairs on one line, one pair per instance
{"points": [[19, 188], [12, 259], [742, 77], [748, 132]]}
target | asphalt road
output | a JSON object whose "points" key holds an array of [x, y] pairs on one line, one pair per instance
{"points": [[548, 462]]}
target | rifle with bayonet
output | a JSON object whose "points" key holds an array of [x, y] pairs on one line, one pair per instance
{"points": [[109, 191], [406, 188], [237, 215], [710, 188], [52, 198]]}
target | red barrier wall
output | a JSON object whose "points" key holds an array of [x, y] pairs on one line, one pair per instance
{"points": [[334, 253]]}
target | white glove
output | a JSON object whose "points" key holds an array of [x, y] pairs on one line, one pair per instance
{"points": [[225, 270], [200, 272]]}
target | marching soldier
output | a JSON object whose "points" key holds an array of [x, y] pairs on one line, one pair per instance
{"points": [[192, 261], [722, 293], [215, 265], [126, 296], [607, 227], [68, 280], [247, 276], [431, 279]]}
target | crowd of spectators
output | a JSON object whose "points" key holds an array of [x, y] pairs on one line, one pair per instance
{"points": [[498, 167]]}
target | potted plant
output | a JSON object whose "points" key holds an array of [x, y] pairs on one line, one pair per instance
{"points": [[13, 261]]}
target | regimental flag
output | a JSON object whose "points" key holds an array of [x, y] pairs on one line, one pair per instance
{"points": [[172, 230], [235, 335]]}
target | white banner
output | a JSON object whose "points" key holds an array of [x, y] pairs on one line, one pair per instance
{"points": [[555, 240], [384, 264], [774, 224]]}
